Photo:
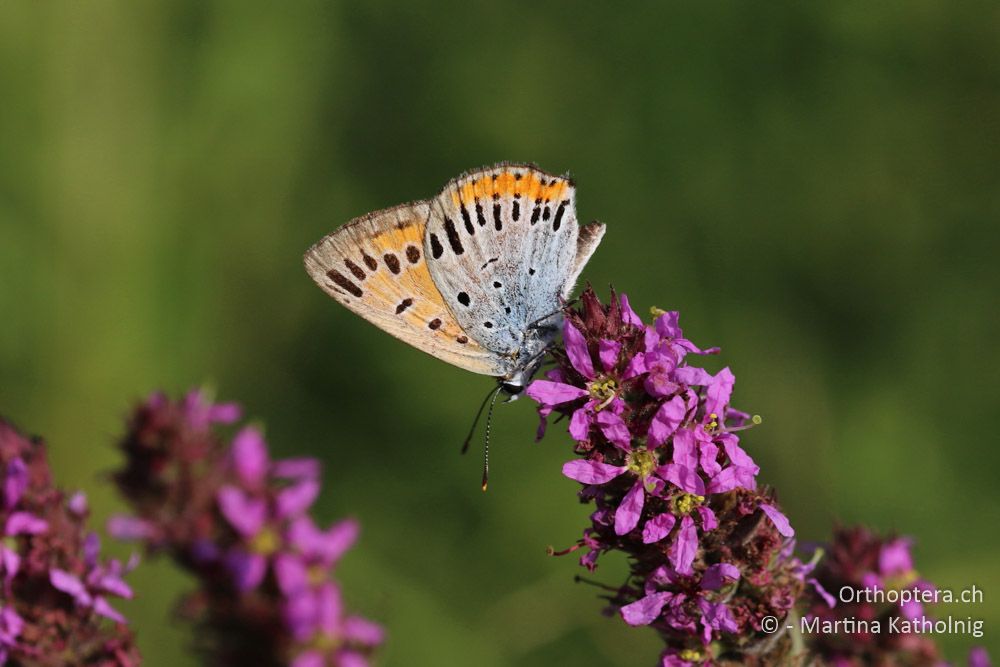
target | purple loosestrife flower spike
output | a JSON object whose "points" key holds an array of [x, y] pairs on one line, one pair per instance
{"points": [[658, 453], [238, 521], [55, 590]]}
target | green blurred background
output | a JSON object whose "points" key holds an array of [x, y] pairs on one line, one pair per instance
{"points": [[814, 186]]}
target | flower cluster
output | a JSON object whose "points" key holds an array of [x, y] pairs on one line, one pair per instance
{"points": [[881, 584], [56, 591], [239, 522], [659, 456]]}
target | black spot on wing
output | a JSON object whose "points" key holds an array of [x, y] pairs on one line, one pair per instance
{"points": [[392, 262], [355, 269], [463, 298], [344, 282], [453, 240], [468, 221], [412, 254], [497, 222], [480, 218], [434, 324], [369, 261], [557, 221], [436, 249], [403, 305], [515, 209]]}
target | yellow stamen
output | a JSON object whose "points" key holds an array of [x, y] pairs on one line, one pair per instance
{"points": [[642, 462], [317, 575], [686, 502], [691, 655], [757, 419], [324, 643], [714, 423], [656, 312], [266, 542], [603, 391]]}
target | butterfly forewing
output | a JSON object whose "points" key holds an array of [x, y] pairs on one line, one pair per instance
{"points": [[501, 244], [377, 267]]}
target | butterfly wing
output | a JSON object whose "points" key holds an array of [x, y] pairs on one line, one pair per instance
{"points": [[502, 247], [375, 265], [586, 243]]}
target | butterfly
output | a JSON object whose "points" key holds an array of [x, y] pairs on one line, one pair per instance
{"points": [[476, 276]]}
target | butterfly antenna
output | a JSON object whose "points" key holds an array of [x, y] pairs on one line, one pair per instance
{"points": [[486, 448], [479, 413]]}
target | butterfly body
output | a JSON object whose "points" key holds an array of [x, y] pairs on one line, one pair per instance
{"points": [[476, 276]]}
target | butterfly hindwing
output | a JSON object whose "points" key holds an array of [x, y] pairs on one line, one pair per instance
{"points": [[501, 245], [376, 266]]}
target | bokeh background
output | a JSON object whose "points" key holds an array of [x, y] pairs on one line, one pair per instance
{"points": [[814, 186]]}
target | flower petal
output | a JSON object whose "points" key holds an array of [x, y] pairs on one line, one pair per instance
{"points": [[576, 350], [591, 472], [685, 478], [684, 449], [628, 513], [716, 576], [249, 456], [666, 420], [363, 631], [304, 467], [104, 608], [310, 658], [246, 569], [71, 585], [692, 376], [579, 424], [709, 521], [779, 520], [718, 392], [645, 610], [297, 498], [685, 546], [77, 503], [979, 657], [349, 658], [658, 527], [547, 392], [831, 602], [608, 351], [15, 482], [629, 316], [894, 557], [330, 608], [614, 429], [291, 573], [668, 325], [708, 457], [244, 513], [25, 523], [128, 528], [636, 366]]}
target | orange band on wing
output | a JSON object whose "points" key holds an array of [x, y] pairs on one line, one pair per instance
{"points": [[505, 184]]}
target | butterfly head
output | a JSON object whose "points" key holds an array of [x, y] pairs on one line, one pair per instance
{"points": [[526, 361]]}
